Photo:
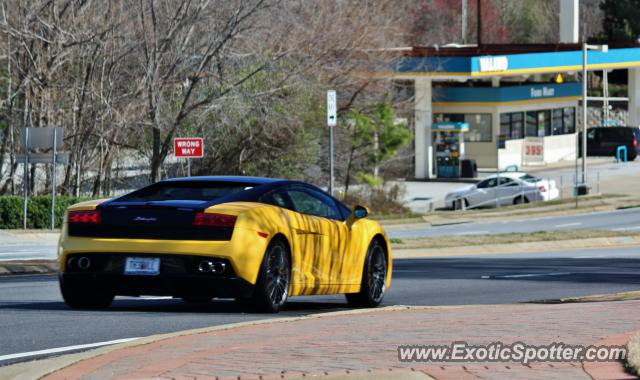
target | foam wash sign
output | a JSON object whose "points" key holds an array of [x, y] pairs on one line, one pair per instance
{"points": [[542, 92], [490, 64]]}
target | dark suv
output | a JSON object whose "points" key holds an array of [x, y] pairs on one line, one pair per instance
{"points": [[604, 141]]}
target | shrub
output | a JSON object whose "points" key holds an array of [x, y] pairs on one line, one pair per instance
{"points": [[38, 211], [383, 200]]}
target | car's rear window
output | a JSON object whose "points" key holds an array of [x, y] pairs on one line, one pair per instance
{"points": [[529, 178], [186, 190]]}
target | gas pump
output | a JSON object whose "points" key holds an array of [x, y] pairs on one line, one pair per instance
{"points": [[448, 139]]}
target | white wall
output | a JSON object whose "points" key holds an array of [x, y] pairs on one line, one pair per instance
{"points": [[556, 148], [560, 147], [512, 154]]}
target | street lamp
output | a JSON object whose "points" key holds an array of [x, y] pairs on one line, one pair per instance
{"points": [[585, 47]]}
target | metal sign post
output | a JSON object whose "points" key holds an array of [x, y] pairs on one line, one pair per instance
{"points": [[25, 180], [332, 120], [53, 180]]}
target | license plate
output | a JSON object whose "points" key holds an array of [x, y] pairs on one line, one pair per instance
{"points": [[142, 266]]}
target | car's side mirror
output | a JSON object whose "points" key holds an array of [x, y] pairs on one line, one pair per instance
{"points": [[360, 212]]}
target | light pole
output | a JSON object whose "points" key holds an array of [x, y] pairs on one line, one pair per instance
{"points": [[586, 47]]}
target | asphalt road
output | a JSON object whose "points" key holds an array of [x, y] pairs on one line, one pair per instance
{"points": [[620, 220], [33, 316], [27, 251]]}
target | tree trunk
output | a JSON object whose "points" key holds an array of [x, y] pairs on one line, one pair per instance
{"points": [[156, 160]]}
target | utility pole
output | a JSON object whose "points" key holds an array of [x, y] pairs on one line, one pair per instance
{"points": [[332, 121], [464, 22], [479, 22]]}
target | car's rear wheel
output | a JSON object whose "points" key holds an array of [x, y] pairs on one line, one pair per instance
{"points": [[520, 200], [85, 298], [374, 277], [272, 287]]}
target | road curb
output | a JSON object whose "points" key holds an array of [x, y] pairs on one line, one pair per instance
{"points": [[25, 268], [40, 368], [622, 296]]}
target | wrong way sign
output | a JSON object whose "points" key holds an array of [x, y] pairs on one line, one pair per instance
{"points": [[190, 147]]}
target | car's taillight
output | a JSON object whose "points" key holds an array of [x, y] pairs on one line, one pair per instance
{"points": [[635, 142], [84, 216], [542, 188], [214, 220]]}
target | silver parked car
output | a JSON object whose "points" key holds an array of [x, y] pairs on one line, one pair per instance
{"points": [[513, 188]]}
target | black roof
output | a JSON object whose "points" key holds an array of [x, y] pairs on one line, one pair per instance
{"points": [[259, 187], [230, 178]]}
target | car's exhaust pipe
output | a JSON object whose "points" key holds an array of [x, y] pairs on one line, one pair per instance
{"points": [[84, 263], [218, 268], [207, 266]]}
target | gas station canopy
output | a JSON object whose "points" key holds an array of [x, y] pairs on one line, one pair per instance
{"points": [[506, 92], [506, 60]]}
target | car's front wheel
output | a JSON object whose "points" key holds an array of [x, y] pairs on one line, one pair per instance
{"points": [[272, 287], [460, 204], [374, 277], [85, 298]]}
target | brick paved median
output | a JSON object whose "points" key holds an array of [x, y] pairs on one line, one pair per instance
{"points": [[365, 344]]}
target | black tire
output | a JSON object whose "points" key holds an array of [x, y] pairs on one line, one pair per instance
{"points": [[272, 287], [85, 298], [520, 200], [457, 204], [374, 277]]}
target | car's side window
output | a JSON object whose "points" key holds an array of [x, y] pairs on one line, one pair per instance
{"points": [[491, 182], [277, 198], [307, 201], [506, 181]]}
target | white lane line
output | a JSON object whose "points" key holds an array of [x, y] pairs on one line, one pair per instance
{"points": [[64, 349], [632, 228], [527, 275], [471, 233], [567, 225], [155, 298], [28, 258]]}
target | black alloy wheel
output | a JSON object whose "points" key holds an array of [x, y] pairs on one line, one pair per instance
{"points": [[272, 288], [374, 278]]}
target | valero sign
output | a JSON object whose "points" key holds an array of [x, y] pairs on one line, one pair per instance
{"points": [[190, 147], [490, 64]]}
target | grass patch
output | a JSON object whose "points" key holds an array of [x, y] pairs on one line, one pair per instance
{"points": [[468, 240], [397, 217], [555, 202]]}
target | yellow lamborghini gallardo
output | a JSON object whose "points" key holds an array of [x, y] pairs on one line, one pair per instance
{"points": [[257, 240]]}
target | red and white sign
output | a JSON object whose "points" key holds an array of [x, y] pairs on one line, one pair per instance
{"points": [[191, 147], [533, 151]]}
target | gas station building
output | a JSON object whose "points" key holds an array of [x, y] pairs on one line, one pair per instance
{"points": [[506, 93]]}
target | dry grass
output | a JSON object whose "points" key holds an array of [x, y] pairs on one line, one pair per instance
{"points": [[623, 296], [468, 240]]}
